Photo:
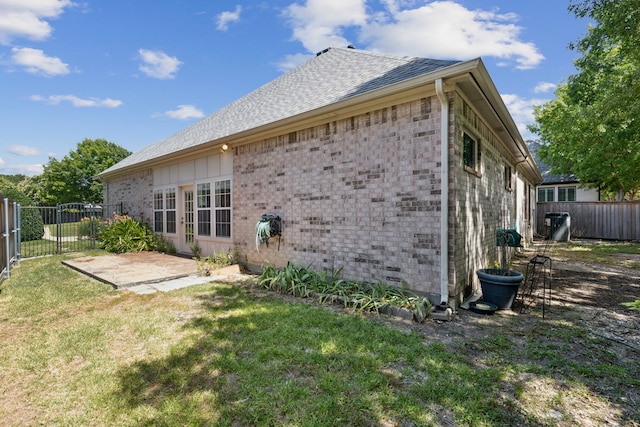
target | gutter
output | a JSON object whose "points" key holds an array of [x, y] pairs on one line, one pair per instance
{"points": [[444, 193]]}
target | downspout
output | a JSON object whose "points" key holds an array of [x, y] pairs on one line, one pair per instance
{"points": [[444, 193]]}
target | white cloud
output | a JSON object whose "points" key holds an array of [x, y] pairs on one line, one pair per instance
{"points": [[226, 18], [27, 169], [36, 62], [544, 87], [522, 111], [291, 61], [319, 24], [23, 150], [440, 29], [183, 112], [27, 18], [158, 64], [77, 102]]}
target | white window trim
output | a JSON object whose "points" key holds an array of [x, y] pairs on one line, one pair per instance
{"points": [[163, 190], [230, 208], [197, 209]]}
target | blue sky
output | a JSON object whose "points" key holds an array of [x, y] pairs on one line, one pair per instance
{"points": [[134, 72]]}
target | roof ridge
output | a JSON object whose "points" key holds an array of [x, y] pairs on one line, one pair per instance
{"points": [[335, 75]]}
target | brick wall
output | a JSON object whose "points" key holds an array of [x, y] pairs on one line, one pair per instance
{"points": [[482, 203], [135, 191], [361, 193]]}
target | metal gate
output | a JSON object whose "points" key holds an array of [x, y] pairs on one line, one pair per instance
{"points": [[71, 227]]}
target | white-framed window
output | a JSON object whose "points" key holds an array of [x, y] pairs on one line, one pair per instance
{"points": [[222, 207], [471, 153], [566, 194], [158, 210], [164, 210], [546, 194], [170, 210], [203, 206]]}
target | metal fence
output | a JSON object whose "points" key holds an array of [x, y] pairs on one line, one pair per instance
{"points": [[71, 227], [9, 232], [596, 220]]}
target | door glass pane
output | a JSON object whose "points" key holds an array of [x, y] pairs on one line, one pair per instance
{"points": [[188, 217]]}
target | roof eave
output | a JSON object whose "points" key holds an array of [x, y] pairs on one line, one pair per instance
{"points": [[503, 124], [328, 112]]}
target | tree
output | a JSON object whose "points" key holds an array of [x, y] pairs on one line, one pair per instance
{"points": [[14, 179], [72, 179], [592, 127]]}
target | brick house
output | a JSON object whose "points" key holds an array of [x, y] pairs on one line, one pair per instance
{"points": [[346, 149]]}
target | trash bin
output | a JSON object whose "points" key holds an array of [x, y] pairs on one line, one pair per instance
{"points": [[558, 226]]}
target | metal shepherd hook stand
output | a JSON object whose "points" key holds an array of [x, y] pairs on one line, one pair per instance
{"points": [[538, 272]]}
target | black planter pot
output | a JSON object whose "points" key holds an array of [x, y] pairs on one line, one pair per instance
{"points": [[499, 286]]}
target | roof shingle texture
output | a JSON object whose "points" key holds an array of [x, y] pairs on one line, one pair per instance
{"points": [[330, 77]]}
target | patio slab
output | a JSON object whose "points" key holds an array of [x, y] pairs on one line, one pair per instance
{"points": [[134, 269]]}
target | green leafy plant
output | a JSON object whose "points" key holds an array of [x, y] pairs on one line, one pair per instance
{"points": [[31, 225], [162, 244], [206, 265], [328, 287], [196, 250], [125, 234]]}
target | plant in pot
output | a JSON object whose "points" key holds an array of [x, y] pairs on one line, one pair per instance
{"points": [[500, 285]]}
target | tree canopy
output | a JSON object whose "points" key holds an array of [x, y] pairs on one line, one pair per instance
{"points": [[72, 179], [592, 127]]}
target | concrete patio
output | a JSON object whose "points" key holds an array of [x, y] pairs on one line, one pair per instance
{"points": [[145, 272]]}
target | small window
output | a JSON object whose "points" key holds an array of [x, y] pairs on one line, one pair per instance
{"points": [[507, 178], [471, 154], [566, 194], [545, 194]]}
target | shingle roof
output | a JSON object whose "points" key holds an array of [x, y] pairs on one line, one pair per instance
{"points": [[333, 75], [545, 170]]}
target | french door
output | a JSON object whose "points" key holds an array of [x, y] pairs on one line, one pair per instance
{"points": [[187, 232]]}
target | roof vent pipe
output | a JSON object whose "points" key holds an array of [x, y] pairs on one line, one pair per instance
{"points": [[444, 193]]}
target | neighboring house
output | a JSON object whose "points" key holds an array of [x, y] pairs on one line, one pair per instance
{"points": [[346, 150], [560, 188]]}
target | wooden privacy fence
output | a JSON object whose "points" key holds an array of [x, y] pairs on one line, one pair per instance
{"points": [[9, 232], [596, 220]]}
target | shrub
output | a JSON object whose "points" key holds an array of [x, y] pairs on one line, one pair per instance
{"points": [[125, 234], [31, 225]]}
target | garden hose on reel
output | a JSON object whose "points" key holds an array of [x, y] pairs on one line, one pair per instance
{"points": [[269, 226]]}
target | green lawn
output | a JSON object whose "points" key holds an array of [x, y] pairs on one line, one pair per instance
{"points": [[602, 252], [76, 352]]}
